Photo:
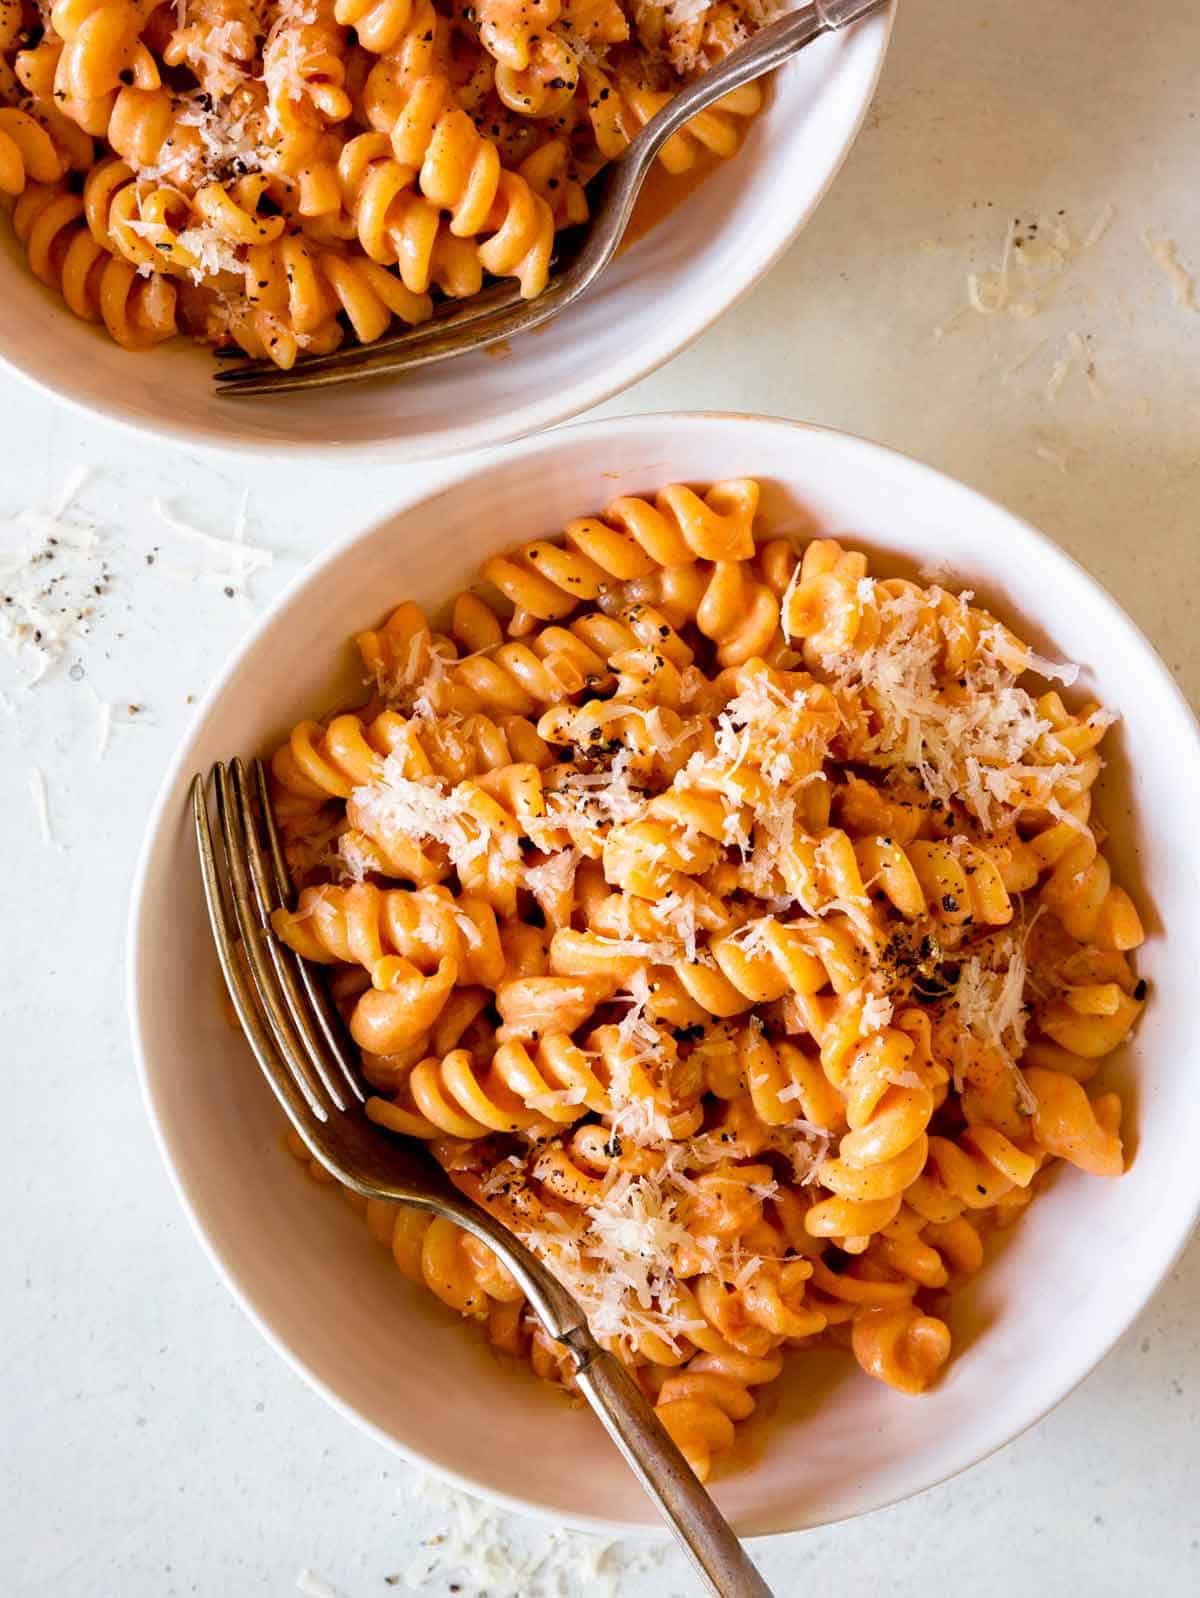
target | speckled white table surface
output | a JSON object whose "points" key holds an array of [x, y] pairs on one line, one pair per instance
{"points": [[152, 1444]]}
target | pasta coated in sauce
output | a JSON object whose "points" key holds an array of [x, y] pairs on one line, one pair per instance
{"points": [[733, 924], [282, 174]]}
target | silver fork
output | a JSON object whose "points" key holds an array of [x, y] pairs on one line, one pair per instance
{"points": [[498, 313], [299, 1041]]}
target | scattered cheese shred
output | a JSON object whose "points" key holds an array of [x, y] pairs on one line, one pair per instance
{"points": [[587, 799], [1036, 255], [1100, 226], [49, 589], [243, 559], [555, 875], [1052, 455], [1023, 360], [104, 714], [1164, 252], [398, 805], [109, 716], [478, 1550], [41, 807], [1085, 362], [314, 1586]]}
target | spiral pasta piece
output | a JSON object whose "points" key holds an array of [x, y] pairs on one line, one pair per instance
{"points": [[453, 1096], [146, 129], [1080, 1131], [318, 761], [552, 174], [452, 1264], [901, 1347], [411, 49], [364, 925], [294, 293], [699, 1405], [549, 582], [304, 69], [396, 225], [30, 80], [885, 1149], [378, 24], [458, 170], [800, 958], [1079, 889], [27, 152], [618, 109], [138, 312], [102, 50]]}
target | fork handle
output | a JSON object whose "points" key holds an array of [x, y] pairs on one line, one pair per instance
{"points": [[626, 1415], [702, 1530]]}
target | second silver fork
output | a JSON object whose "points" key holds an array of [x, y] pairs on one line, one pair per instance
{"points": [[298, 1040]]}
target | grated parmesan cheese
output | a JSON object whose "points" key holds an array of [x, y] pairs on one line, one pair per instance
{"points": [[615, 1258], [213, 252], [1052, 455], [228, 137], [586, 799], [990, 998], [877, 1011], [397, 805], [555, 875], [972, 746]]}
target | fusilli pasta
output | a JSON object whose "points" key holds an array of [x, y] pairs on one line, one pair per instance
{"points": [[731, 923], [282, 174]]}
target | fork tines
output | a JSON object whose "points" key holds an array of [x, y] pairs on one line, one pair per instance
{"points": [[477, 313], [285, 1011]]}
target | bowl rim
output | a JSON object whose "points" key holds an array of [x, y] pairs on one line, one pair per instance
{"points": [[556, 406], [1053, 557]]}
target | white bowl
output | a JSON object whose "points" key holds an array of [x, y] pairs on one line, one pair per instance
{"points": [[1080, 1265], [651, 303]]}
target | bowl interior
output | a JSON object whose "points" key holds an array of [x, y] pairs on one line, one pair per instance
{"points": [[652, 301], [831, 1442]]}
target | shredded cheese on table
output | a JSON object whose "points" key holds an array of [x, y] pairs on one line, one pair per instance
{"points": [[1164, 252], [41, 807], [242, 559], [486, 1553], [314, 1586], [1036, 255], [50, 589]]}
